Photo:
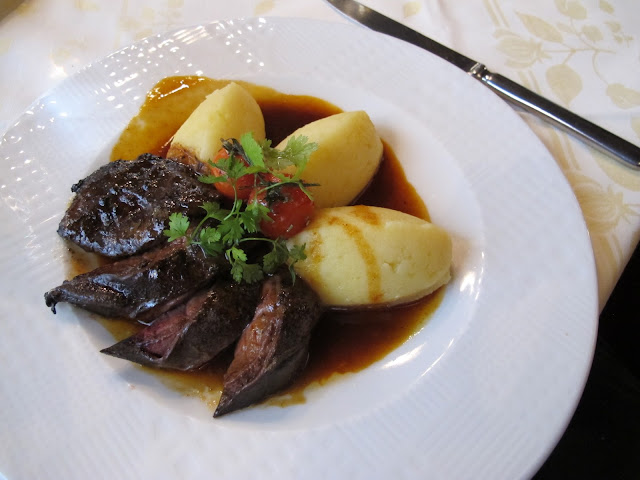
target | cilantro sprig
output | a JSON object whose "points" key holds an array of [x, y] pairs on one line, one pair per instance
{"points": [[224, 231]]}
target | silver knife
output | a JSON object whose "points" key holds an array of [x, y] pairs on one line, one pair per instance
{"points": [[515, 94]]}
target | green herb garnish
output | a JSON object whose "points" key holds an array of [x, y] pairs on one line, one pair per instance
{"points": [[223, 231]]}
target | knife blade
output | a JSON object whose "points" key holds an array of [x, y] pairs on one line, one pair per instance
{"points": [[515, 94]]}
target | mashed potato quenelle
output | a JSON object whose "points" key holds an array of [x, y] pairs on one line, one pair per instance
{"points": [[362, 256], [348, 155], [227, 112]]}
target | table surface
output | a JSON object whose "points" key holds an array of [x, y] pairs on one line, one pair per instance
{"points": [[582, 54]]}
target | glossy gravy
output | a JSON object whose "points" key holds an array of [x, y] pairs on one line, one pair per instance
{"points": [[343, 342]]}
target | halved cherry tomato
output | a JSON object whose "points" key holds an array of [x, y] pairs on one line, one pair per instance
{"points": [[291, 210], [244, 184]]}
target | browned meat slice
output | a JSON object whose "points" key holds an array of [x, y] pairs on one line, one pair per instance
{"points": [[274, 347], [123, 207], [142, 286], [193, 333]]}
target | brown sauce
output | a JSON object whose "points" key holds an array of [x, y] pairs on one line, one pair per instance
{"points": [[343, 342]]}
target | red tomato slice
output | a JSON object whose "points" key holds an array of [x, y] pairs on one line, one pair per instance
{"points": [[291, 210], [244, 184]]}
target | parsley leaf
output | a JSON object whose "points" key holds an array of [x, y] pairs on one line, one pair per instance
{"points": [[235, 254], [253, 215], [210, 241], [253, 150], [211, 179], [276, 257], [231, 230], [297, 253], [237, 267], [178, 226], [214, 210], [252, 272], [296, 153], [240, 269]]}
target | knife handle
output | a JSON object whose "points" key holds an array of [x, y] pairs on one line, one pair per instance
{"points": [[590, 133]]}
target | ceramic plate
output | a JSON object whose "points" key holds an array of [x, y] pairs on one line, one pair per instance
{"points": [[483, 390]]}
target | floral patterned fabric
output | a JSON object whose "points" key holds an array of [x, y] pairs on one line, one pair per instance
{"points": [[582, 54]]}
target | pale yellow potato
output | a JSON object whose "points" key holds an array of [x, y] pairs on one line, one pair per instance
{"points": [[348, 155], [226, 113], [370, 256]]}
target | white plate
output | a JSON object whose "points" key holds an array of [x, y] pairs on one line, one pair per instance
{"points": [[484, 390]]}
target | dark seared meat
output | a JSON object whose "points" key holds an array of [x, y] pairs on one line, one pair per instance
{"points": [[123, 207], [274, 347], [142, 286], [193, 333]]}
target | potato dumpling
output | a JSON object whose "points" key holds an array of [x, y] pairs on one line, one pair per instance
{"points": [[226, 113], [348, 155], [370, 256]]}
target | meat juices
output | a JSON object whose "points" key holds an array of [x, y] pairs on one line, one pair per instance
{"points": [[122, 208], [274, 347]]}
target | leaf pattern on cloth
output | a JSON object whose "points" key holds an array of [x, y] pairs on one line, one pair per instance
{"points": [[593, 33], [522, 52], [411, 8], [604, 209], [66, 54], [265, 6], [622, 96], [540, 28], [572, 9], [606, 7], [621, 176], [564, 81]]}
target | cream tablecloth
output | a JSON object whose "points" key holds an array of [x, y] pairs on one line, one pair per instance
{"points": [[583, 54]]}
